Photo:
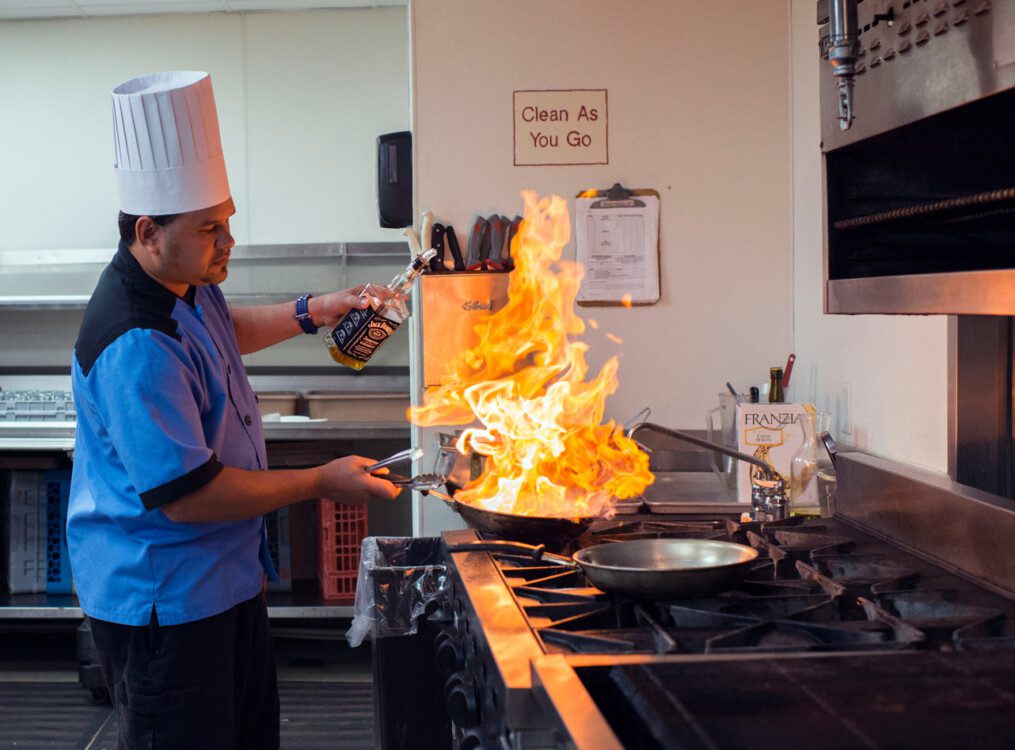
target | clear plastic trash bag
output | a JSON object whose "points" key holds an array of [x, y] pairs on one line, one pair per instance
{"points": [[400, 580]]}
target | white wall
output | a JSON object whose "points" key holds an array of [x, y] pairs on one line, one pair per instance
{"points": [[897, 365], [698, 109], [301, 99]]}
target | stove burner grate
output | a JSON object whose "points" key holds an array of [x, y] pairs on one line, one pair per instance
{"points": [[861, 575], [811, 589]]}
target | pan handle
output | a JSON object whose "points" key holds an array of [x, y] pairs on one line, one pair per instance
{"points": [[492, 545]]}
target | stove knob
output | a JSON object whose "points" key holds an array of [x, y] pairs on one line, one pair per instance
{"points": [[450, 657], [462, 702]]}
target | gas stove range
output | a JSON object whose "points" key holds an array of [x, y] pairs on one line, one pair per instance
{"points": [[816, 586], [836, 637]]}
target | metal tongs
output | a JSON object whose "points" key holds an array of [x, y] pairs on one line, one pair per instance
{"points": [[420, 482]]}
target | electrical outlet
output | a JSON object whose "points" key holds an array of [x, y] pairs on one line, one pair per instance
{"points": [[845, 408]]}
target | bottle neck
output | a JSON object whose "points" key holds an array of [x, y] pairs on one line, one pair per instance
{"points": [[402, 283]]}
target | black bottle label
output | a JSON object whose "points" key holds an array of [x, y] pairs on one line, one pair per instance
{"points": [[360, 332]]}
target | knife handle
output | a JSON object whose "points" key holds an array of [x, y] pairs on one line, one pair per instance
{"points": [[498, 231], [456, 251], [516, 225], [413, 239], [437, 243], [426, 230], [479, 233]]}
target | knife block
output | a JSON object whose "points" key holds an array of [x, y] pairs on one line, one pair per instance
{"points": [[451, 304]]}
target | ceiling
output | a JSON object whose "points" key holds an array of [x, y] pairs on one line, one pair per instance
{"points": [[36, 9]]}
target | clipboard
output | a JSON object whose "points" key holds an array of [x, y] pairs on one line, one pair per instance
{"points": [[617, 242]]}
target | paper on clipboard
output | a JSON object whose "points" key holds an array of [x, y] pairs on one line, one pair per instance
{"points": [[617, 241]]}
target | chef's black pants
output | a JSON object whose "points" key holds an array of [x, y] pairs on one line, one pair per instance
{"points": [[205, 684]]}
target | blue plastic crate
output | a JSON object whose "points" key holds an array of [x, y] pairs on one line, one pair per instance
{"points": [[58, 573]]}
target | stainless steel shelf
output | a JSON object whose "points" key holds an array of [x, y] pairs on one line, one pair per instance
{"points": [[304, 605], [65, 607], [79, 301], [335, 430], [59, 436], [67, 273], [44, 302], [39, 607], [294, 251]]}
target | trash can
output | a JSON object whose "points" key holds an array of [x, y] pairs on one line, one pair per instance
{"points": [[401, 590]]}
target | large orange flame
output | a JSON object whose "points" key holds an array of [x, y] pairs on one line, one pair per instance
{"points": [[546, 452]]}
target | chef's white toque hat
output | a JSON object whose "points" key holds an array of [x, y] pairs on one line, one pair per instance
{"points": [[167, 149]]}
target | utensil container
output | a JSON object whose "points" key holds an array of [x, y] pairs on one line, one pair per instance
{"points": [[459, 468]]}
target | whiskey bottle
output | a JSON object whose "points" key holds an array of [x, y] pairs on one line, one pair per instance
{"points": [[359, 333]]}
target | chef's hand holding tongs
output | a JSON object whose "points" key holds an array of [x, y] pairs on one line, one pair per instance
{"points": [[420, 482]]}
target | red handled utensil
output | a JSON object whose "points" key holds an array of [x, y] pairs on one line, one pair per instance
{"points": [[480, 244], [787, 370]]}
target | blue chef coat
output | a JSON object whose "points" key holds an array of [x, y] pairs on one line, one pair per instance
{"points": [[163, 403]]}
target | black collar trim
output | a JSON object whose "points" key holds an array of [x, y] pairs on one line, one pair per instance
{"points": [[125, 262]]}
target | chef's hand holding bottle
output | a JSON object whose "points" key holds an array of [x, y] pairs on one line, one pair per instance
{"points": [[380, 310]]}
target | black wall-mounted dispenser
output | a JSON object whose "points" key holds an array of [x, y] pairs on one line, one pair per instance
{"points": [[394, 179]]}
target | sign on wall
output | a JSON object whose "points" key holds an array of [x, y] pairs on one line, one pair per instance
{"points": [[561, 127]]}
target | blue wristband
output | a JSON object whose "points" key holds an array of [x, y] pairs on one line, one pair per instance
{"points": [[303, 315]]}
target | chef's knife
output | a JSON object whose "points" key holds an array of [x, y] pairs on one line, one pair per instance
{"points": [[451, 240]]}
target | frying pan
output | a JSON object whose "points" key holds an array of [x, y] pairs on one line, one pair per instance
{"points": [[647, 568], [531, 529]]}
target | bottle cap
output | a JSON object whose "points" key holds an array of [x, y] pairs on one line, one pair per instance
{"points": [[775, 372], [422, 258]]}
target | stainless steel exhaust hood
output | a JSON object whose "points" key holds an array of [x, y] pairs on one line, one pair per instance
{"points": [[920, 188]]}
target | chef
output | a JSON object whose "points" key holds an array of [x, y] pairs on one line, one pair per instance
{"points": [[170, 485]]}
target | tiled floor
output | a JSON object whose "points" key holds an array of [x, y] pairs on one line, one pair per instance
{"points": [[324, 686]]}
